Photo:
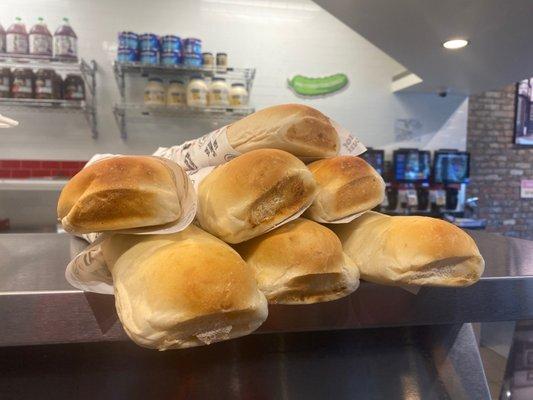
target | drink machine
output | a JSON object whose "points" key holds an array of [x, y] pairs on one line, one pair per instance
{"points": [[411, 173], [451, 169]]}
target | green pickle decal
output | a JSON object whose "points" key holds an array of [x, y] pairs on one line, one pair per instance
{"points": [[317, 86]]}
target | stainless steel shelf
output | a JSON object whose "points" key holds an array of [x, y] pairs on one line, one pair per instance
{"points": [[127, 109], [66, 65], [43, 103], [147, 69], [38, 306], [63, 67], [130, 111], [52, 185]]}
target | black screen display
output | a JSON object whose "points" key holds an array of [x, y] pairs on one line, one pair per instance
{"points": [[452, 167], [411, 165], [376, 158]]}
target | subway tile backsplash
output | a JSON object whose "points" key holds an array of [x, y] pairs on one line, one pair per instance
{"points": [[24, 169]]}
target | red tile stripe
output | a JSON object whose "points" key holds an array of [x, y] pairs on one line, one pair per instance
{"points": [[20, 169]]}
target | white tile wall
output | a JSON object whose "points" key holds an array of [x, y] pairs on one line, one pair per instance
{"points": [[279, 38]]}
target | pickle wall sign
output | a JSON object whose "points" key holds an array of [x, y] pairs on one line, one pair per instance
{"points": [[324, 85]]}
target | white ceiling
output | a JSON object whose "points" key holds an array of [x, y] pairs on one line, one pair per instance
{"points": [[412, 31]]}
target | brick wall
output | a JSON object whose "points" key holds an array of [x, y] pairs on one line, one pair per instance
{"points": [[22, 169], [497, 165]]}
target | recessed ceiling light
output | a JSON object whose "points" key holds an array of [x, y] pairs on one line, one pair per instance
{"points": [[455, 44]]}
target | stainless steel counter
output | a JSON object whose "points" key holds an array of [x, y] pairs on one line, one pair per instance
{"points": [[37, 305], [436, 359]]}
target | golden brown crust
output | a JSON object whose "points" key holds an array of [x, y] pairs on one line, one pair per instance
{"points": [[252, 193], [347, 185], [120, 193], [177, 290], [295, 128], [300, 262], [411, 250]]}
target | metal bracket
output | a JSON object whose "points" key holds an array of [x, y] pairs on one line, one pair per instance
{"points": [[120, 118], [88, 71], [120, 79]]}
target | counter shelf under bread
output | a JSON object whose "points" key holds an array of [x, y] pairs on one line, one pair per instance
{"points": [[38, 306]]}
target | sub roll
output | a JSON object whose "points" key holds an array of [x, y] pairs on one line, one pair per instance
{"points": [[253, 193], [122, 193], [301, 262], [346, 185], [295, 128], [410, 250], [182, 290]]}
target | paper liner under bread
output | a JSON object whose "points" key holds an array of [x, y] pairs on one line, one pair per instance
{"points": [[214, 149], [189, 203], [88, 270], [343, 220]]}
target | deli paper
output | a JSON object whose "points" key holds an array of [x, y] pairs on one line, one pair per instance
{"points": [[214, 149]]}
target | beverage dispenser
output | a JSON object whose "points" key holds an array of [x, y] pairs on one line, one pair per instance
{"points": [[411, 172], [451, 169]]}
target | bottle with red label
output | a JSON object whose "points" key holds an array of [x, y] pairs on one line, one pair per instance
{"points": [[17, 38], [40, 39], [74, 87], [22, 83], [65, 41]]}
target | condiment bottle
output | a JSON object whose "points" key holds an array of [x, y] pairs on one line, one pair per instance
{"points": [[65, 41], [238, 95], [208, 61], [40, 39], [44, 83], [22, 83], [154, 92], [176, 94], [17, 38], [196, 92], [74, 87], [222, 62], [219, 93]]}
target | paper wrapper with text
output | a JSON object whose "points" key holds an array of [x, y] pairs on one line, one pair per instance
{"points": [[88, 270], [214, 149]]}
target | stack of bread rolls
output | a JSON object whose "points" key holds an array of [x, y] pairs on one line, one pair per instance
{"points": [[268, 229]]}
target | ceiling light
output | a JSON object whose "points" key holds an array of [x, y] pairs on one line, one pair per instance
{"points": [[455, 44]]}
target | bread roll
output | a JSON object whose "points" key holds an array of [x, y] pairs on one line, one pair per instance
{"points": [[182, 290], [301, 262], [295, 128], [121, 193], [411, 250], [346, 185], [252, 193]]}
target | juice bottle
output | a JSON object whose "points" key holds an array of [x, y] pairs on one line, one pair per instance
{"points": [[65, 41], [40, 39], [17, 38]]}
